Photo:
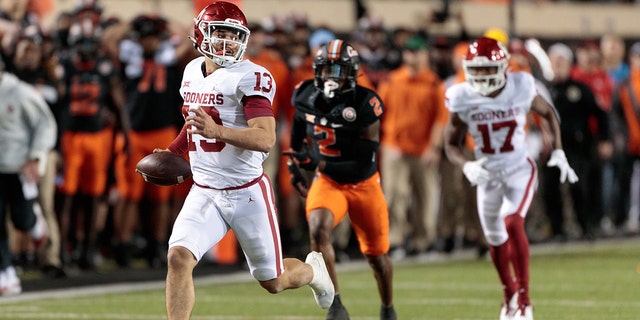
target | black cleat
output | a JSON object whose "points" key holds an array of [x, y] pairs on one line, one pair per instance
{"points": [[337, 311], [388, 313]]}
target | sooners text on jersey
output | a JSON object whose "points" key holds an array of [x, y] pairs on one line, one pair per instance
{"points": [[497, 125], [214, 163]]}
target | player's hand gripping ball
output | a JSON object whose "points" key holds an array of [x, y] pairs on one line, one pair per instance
{"points": [[164, 168]]}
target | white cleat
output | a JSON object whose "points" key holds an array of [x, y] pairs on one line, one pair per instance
{"points": [[508, 309], [321, 284], [523, 313], [9, 282]]}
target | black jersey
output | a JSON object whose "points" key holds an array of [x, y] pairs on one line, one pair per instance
{"points": [[88, 93], [153, 98], [336, 128]]}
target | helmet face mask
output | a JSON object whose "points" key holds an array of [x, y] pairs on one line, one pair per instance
{"points": [[485, 65], [221, 33], [336, 67]]}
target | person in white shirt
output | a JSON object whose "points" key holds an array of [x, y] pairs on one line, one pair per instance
{"points": [[228, 132], [27, 134], [492, 107]]}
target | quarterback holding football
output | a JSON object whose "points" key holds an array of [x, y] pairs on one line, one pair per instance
{"points": [[228, 132]]}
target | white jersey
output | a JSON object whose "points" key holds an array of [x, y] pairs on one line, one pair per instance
{"points": [[216, 164], [497, 125]]}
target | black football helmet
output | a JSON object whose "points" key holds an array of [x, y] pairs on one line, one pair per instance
{"points": [[336, 67]]}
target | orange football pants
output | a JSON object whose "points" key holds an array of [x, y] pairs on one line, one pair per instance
{"points": [[86, 155], [365, 204]]}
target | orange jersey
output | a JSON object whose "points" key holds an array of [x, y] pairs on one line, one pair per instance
{"points": [[414, 104]]}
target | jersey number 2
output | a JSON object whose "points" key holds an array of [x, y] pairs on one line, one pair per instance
{"points": [[329, 140], [485, 130]]}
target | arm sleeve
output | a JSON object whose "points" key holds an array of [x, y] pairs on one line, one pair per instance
{"points": [[257, 106], [298, 131], [180, 145]]}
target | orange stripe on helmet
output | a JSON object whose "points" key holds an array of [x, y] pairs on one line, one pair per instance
{"points": [[333, 49]]}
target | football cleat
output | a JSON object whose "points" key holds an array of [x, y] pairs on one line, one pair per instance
{"points": [[523, 313], [388, 313], [9, 282], [509, 308], [337, 311], [321, 284]]}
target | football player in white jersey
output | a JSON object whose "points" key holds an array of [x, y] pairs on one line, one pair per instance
{"points": [[229, 130], [492, 106]]}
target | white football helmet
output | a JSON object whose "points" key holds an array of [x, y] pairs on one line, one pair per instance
{"points": [[486, 53]]}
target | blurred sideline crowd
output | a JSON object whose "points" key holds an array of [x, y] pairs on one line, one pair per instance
{"points": [[113, 87]]}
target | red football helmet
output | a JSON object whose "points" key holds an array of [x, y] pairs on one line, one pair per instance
{"points": [[221, 33], [485, 65]]}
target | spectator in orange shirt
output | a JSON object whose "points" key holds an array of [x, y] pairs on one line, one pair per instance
{"points": [[412, 133]]}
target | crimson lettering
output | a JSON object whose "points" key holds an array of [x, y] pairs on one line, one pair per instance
{"points": [[495, 115], [203, 98]]}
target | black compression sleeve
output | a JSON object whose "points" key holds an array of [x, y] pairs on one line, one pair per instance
{"points": [[298, 131]]}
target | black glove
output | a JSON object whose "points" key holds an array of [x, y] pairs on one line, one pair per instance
{"points": [[298, 179], [304, 159]]}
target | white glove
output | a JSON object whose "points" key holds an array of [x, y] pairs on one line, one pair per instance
{"points": [[558, 159], [475, 173]]}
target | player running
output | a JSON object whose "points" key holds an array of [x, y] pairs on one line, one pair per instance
{"points": [[342, 120], [228, 133], [492, 107]]}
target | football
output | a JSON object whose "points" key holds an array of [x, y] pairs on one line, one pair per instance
{"points": [[164, 168]]}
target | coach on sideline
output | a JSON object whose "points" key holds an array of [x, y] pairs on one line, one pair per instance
{"points": [[27, 134]]}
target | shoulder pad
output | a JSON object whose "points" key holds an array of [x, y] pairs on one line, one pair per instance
{"points": [[302, 95]]}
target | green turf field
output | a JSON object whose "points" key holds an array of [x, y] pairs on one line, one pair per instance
{"points": [[596, 281]]}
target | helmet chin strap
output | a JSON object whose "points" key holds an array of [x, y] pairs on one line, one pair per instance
{"points": [[330, 87]]}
